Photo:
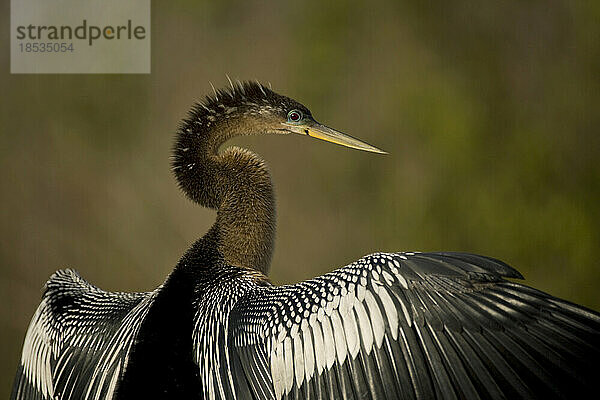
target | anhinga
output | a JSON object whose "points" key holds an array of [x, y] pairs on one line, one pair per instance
{"points": [[388, 326]]}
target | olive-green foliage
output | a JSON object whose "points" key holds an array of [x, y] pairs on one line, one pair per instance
{"points": [[489, 113]]}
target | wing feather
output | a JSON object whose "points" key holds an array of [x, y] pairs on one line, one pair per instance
{"points": [[78, 341], [417, 325], [309, 351]]}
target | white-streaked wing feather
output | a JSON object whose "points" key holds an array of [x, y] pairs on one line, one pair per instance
{"points": [[408, 325], [78, 340]]}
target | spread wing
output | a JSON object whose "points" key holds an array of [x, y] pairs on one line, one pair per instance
{"points": [[406, 325], [78, 341]]}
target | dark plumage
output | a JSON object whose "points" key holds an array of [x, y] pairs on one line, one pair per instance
{"points": [[389, 326], [246, 230]]}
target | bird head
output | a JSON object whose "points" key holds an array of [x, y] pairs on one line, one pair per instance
{"points": [[251, 108], [299, 120]]}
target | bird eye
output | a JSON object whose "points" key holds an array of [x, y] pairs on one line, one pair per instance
{"points": [[295, 116]]}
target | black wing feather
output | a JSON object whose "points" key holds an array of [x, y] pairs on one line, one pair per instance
{"points": [[78, 339], [429, 325]]}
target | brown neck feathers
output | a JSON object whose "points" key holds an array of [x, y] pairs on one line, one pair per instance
{"points": [[237, 184]]}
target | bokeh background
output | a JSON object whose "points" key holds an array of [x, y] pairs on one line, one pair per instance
{"points": [[490, 114]]}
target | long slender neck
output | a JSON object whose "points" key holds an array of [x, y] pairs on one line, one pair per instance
{"points": [[237, 184]]}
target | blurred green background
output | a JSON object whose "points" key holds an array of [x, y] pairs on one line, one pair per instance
{"points": [[490, 114]]}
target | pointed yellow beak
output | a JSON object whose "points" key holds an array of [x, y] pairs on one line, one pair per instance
{"points": [[318, 131]]}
